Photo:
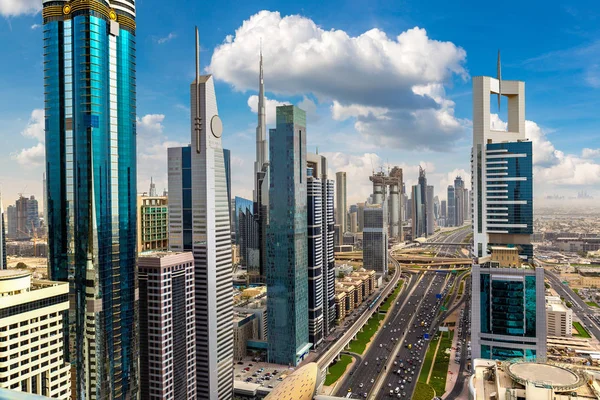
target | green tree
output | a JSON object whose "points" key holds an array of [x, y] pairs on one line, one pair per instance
{"points": [[22, 265]]}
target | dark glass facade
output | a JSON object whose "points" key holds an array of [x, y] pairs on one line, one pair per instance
{"points": [[287, 263], [89, 82]]}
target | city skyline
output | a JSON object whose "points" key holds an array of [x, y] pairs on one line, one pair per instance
{"points": [[333, 113]]}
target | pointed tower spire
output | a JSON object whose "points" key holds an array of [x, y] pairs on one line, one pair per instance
{"points": [[197, 120], [261, 128]]}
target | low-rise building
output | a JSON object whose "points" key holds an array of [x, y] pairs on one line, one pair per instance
{"points": [[340, 306], [32, 332], [559, 318], [152, 223]]}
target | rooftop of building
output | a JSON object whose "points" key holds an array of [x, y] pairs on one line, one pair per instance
{"points": [[159, 253], [557, 307], [528, 380], [8, 274], [300, 385]]}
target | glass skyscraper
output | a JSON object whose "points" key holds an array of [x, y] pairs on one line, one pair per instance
{"points": [[508, 317], [90, 123], [287, 255]]}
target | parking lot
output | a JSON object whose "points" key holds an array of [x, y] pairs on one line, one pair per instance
{"points": [[260, 373]]}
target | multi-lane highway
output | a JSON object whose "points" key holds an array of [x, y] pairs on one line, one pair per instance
{"points": [[415, 305], [375, 373], [464, 332]]}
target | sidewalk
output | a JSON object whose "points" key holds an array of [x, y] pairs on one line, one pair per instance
{"points": [[453, 367]]}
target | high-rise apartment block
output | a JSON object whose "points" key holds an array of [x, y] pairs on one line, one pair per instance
{"points": [[459, 201], [451, 219], [199, 222], [246, 234], [321, 263], [287, 245], [508, 307], [375, 239], [341, 207], [3, 263], [153, 223], [32, 332], [90, 125], [11, 221], [167, 326], [430, 214]]}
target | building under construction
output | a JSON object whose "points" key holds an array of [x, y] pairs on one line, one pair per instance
{"points": [[387, 188]]}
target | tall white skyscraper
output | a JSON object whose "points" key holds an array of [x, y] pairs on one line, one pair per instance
{"points": [[199, 222], [508, 308], [341, 208], [261, 179]]}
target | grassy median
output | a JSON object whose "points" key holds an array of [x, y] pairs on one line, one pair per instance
{"points": [[423, 392], [359, 344], [428, 359], [440, 365], [336, 370], [581, 331]]}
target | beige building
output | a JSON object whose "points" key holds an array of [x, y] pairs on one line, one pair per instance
{"points": [[559, 318], [506, 256], [340, 306], [31, 335], [152, 223], [245, 327]]}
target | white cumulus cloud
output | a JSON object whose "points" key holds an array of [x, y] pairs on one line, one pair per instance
{"points": [[553, 167], [33, 156], [360, 76], [270, 107], [13, 8]]}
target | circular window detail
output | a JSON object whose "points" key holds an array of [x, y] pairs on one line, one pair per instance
{"points": [[216, 126]]}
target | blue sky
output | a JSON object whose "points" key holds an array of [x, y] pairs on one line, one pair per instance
{"points": [[383, 82]]}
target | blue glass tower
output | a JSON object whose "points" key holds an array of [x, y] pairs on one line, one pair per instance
{"points": [[287, 254], [90, 111]]}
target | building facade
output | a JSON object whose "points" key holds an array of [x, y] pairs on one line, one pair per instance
{"points": [[246, 234], [459, 201], [245, 327], [341, 207], [451, 218], [375, 239], [90, 125], [3, 263], [559, 318], [508, 317], [167, 326], [35, 311], [321, 274], [199, 222], [153, 223], [287, 252], [501, 170], [430, 211], [419, 227]]}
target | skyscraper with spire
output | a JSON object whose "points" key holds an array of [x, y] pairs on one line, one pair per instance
{"points": [[261, 178], [199, 222]]}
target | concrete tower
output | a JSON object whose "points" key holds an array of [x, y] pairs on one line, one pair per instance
{"points": [[3, 264], [199, 222], [508, 313]]}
